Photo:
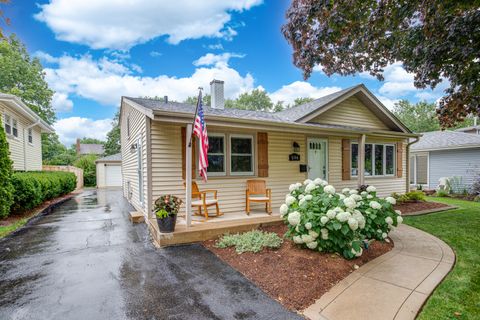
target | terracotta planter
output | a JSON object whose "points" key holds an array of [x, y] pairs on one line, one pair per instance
{"points": [[167, 224]]}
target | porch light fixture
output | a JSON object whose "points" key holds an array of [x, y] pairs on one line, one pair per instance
{"points": [[296, 147]]}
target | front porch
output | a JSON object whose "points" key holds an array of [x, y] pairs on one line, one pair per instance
{"points": [[201, 230]]}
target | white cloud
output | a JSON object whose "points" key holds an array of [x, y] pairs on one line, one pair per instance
{"points": [[398, 82], [116, 24], [211, 59], [105, 81], [299, 89], [69, 129], [217, 46], [61, 103], [45, 57], [155, 54], [387, 102]]}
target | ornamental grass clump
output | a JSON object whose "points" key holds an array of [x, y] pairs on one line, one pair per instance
{"points": [[321, 219], [251, 241]]}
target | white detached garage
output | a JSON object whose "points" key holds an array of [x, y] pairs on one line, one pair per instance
{"points": [[109, 171]]}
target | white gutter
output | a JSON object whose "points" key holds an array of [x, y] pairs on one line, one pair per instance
{"points": [[407, 166]]}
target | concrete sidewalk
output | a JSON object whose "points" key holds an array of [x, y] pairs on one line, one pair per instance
{"points": [[393, 286]]}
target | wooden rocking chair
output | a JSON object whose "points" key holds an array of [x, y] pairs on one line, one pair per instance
{"points": [[200, 200], [257, 192]]}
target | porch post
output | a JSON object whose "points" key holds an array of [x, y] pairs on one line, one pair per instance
{"points": [[188, 176], [361, 160]]}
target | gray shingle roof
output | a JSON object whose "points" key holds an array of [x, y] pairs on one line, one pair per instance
{"points": [[445, 140], [289, 115], [91, 148], [113, 157], [298, 112]]}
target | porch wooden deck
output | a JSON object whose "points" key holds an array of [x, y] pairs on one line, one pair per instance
{"points": [[210, 229]]}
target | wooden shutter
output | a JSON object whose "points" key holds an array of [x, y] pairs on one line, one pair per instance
{"points": [[399, 159], [346, 154], [262, 150], [184, 159]]}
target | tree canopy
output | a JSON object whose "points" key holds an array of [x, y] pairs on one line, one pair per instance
{"points": [[24, 77], [3, 20], [112, 145], [421, 116], [435, 40], [206, 100], [86, 140]]}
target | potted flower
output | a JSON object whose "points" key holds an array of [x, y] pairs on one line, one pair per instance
{"points": [[166, 209]]}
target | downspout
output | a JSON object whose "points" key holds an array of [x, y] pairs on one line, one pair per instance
{"points": [[408, 163], [25, 138]]}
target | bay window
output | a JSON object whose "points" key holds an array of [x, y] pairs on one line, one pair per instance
{"points": [[379, 159]]}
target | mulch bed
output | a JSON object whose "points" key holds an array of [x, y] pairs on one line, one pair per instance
{"points": [[411, 208], [293, 276]]}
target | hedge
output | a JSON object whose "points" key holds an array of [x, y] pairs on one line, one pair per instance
{"points": [[33, 188]]}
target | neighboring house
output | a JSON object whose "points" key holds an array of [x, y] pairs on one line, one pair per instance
{"points": [[473, 129], [24, 130], [89, 148], [318, 139], [109, 171], [445, 154]]}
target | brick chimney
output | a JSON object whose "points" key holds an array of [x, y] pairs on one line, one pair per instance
{"points": [[217, 94]]}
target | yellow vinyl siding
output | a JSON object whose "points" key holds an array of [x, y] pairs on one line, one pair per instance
{"points": [[351, 112], [19, 146], [167, 168], [129, 158]]}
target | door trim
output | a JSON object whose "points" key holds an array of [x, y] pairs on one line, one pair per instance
{"points": [[327, 163]]}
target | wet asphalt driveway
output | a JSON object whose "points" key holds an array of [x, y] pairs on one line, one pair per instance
{"points": [[86, 261]]}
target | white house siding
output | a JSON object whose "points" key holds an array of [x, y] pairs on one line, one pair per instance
{"points": [[19, 146], [167, 168], [138, 129], [464, 163]]}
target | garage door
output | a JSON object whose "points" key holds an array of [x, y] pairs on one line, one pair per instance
{"points": [[113, 176]]}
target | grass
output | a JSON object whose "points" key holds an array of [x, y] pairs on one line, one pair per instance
{"points": [[6, 230], [458, 296]]}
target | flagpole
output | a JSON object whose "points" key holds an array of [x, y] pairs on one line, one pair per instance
{"points": [[188, 165]]}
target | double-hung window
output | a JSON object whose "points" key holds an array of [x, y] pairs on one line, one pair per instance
{"points": [[216, 154], [241, 155], [15, 128], [7, 122], [30, 135], [379, 159]]}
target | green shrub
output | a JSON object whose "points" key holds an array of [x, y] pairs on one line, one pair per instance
{"points": [[321, 219], [442, 193], [416, 195], [252, 241], [87, 163], [476, 199], [6, 187], [33, 188]]}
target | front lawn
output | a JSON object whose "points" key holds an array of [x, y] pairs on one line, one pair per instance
{"points": [[458, 296]]}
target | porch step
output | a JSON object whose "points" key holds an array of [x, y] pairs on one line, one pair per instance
{"points": [[136, 217], [207, 231]]}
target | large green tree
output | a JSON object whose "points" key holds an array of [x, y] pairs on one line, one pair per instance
{"points": [[206, 99], [112, 146], [55, 153], [6, 170], [436, 40], [24, 77], [256, 100], [3, 20]]}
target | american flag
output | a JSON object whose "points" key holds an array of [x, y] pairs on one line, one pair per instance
{"points": [[200, 130]]}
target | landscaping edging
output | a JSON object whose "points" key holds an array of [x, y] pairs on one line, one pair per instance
{"points": [[41, 211], [394, 285], [427, 211]]}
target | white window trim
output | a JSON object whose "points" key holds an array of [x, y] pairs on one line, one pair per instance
{"points": [[9, 122], [384, 175], [15, 126], [252, 154], [224, 172], [30, 134]]}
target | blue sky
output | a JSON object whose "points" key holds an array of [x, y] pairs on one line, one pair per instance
{"points": [[94, 52]]}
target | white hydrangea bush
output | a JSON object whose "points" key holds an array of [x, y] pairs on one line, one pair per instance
{"points": [[320, 218]]}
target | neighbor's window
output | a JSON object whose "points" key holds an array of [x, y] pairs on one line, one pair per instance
{"points": [[216, 154], [379, 159], [30, 135], [241, 155], [14, 128], [8, 124]]}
